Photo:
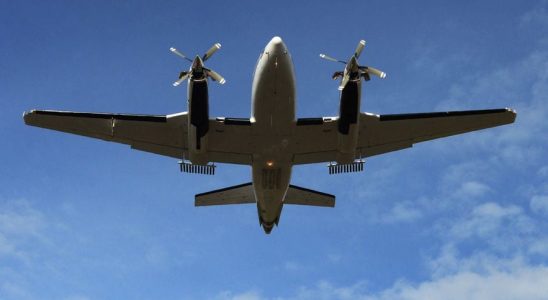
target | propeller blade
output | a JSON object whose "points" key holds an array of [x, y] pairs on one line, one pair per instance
{"points": [[211, 50], [183, 78], [376, 72], [176, 52], [331, 58], [216, 76], [359, 48], [344, 81]]}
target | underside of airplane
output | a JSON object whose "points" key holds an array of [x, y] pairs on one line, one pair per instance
{"points": [[272, 140]]}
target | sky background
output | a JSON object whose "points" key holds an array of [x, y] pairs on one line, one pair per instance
{"points": [[458, 218]]}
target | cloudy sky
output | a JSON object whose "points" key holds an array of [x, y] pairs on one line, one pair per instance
{"points": [[459, 218]]}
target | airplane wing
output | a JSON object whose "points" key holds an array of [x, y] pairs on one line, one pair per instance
{"points": [[385, 133], [230, 141], [159, 134]]}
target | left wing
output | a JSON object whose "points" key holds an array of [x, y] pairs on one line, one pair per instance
{"points": [[159, 134], [228, 138], [380, 134]]}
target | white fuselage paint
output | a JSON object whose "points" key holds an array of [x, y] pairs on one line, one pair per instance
{"points": [[272, 121]]}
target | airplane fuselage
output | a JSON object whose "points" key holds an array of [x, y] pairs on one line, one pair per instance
{"points": [[272, 121]]}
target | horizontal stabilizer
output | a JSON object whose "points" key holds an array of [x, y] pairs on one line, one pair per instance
{"points": [[238, 194], [301, 196]]}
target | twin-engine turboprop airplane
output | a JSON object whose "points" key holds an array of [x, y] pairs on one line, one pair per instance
{"points": [[272, 140]]}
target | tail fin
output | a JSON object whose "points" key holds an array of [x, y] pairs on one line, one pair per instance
{"points": [[302, 196], [238, 194]]}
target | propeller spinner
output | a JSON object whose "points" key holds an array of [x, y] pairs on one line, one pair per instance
{"points": [[197, 69], [353, 71]]}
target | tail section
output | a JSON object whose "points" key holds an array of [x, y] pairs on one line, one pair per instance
{"points": [[243, 193], [238, 194]]}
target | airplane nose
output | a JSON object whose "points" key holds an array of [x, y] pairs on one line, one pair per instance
{"points": [[276, 40], [276, 46]]}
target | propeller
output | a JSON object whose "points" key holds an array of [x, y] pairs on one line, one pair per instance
{"points": [[198, 69], [353, 70]]}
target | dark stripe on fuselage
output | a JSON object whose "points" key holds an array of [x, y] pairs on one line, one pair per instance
{"points": [[309, 121], [144, 118], [398, 117], [348, 109], [237, 121], [199, 108]]}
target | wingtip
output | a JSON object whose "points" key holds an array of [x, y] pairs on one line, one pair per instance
{"points": [[27, 114], [513, 112]]}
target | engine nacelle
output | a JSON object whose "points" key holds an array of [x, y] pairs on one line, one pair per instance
{"points": [[348, 123], [198, 121]]}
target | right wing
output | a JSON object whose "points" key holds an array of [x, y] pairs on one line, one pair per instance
{"points": [[316, 138], [386, 133]]}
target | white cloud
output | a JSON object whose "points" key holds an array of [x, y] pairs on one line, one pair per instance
{"points": [[499, 229], [156, 256], [12, 290], [402, 212], [21, 230], [539, 246], [472, 189], [20, 224], [18, 218], [6, 247], [543, 171], [521, 144], [539, 204], [484, 220], [525, 282], [248, 295], [538, 16], [292, 266], [502, 280], [326, 290]]}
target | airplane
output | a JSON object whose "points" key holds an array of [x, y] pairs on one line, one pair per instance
{"points": [[273, 139]]}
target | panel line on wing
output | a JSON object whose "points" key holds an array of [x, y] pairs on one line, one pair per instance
{"points": [[398, 117]]}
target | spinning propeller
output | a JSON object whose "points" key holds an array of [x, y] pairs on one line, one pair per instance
{"points": [[353, 71], [198, 71]]}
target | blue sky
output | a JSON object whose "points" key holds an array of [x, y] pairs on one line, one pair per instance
{"points": [[458, 218]]}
